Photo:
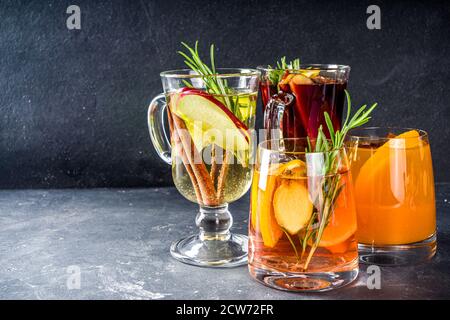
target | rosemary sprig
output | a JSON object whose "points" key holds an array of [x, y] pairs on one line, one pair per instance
{"points": [[214, 84], [292, 243], [276, 75], [331, 186]]}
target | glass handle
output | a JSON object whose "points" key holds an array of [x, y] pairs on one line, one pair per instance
{"points": [[158, 134], [273, 115]]}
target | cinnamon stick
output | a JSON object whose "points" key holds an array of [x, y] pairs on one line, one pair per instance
{"points": [[213, 171], [176, 141], [222, 177], [199, 170]]}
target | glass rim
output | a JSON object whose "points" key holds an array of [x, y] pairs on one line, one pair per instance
{"points": [[422, 133], [261, 147], [311, 66], [222, 73]]}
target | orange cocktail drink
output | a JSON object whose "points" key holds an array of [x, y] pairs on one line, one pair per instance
{"points": [[302, 226], [394, 192]]}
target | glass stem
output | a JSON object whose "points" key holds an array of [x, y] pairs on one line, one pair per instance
{"points": [[214, 222]]}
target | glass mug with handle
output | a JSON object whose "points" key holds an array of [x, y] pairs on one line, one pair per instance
{"points": [[209, 150], [294, 100]]}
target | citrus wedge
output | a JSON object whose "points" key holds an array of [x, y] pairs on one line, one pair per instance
{"points": [[268, 227], [299, 79], [254, 201], [294, 169], [342, 224], [310, 73], [378, 165]]}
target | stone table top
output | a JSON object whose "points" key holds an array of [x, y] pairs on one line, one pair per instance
{"points": [[118, 239]]}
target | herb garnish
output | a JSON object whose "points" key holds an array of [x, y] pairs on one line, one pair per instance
{"points": [[276, 74], [330, 185], [214, 84]]}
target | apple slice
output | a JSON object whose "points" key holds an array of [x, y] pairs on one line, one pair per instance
{"points": [[204, 112]]}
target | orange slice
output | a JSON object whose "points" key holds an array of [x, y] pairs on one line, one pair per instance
{"points": [[378, 165], [378, 161], [284, 83], [339, 248], [310, 73], [300, 79], [254, 200], [294, 169], [268, 227], [342, 224]]}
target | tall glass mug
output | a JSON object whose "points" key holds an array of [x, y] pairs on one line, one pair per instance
{"points": [[209, 150], [394, 193], [302, 218], [296, 105]]}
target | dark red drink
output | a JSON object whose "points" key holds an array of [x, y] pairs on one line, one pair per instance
{"points": [[309, 94]]}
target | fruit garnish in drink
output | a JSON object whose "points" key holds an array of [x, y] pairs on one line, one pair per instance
{"points": [[394, 188], [292, 215], [331, 185], [294, 169], [341, 227], [199, 108], [306, 203], [216, 115], [315, 89], [299, 79], [270, 230], [209, 122], [285, 73], [380, 160], [278, 73]]}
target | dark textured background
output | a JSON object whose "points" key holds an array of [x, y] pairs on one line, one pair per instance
{"points": [[73, 103]]}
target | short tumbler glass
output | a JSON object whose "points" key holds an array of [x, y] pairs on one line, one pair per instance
{"points": [[302, 218], [394, 194]]}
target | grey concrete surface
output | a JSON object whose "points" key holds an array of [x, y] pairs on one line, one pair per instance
{"points": [[119, 240]]}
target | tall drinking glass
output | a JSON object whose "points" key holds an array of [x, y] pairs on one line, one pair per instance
{"points": [[302, 218], [296, 103], [209, 150], [394, 193]]}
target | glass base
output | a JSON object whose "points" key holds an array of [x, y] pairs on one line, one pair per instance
{"points": [[397, 255], [305, 282], [219, 253]]}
